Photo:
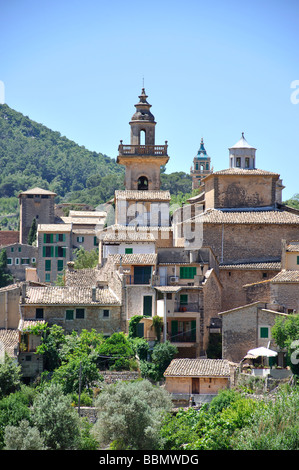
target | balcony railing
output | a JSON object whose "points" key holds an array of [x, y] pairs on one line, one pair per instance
{"points": [[189, 337], [138, 279], [152, 150]]}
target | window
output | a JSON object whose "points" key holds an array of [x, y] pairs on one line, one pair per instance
{"points": [[238, 162], [12, 249], [47, 277], [106, 313], [60, 251], [48, 237], [39, 313], [48, 251], [297, 259], [80, 313], [246, 162], [60, 237], [187, 272], [128, 251], [80, 239], [17, 261], [9, 261], [147, 305], [183, 299], [25, 261], [264, 332], [60, 265], [69, 314], [95, 241], [169, 296], [47, 265], [33, 260], [19, 249]]}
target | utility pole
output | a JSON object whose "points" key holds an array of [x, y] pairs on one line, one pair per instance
{"points": [[80, 371]]}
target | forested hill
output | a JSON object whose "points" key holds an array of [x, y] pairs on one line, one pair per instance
{"points": [[33, 155]]}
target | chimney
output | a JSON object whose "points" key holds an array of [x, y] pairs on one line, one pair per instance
{"points": [[24, 285], [94, 294]]}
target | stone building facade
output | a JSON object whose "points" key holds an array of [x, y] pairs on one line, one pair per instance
{"points": [[35, 204]]}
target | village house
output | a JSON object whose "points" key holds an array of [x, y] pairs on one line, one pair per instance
{"points": [[198, 379], [73, 308], [19, 258]]}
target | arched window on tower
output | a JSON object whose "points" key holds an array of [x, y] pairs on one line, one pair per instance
{"points": [[142, 183], [142, 137]]}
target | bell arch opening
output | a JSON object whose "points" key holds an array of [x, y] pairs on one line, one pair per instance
{"points": [[142, 183]]}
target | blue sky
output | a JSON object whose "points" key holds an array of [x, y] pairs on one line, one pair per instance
{"points": [[211, 69]]}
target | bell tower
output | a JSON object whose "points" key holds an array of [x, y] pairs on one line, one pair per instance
{"points": [[142, 158], [142, 202]]}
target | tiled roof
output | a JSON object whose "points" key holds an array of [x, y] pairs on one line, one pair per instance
{"points": [[37, 191], [131, 194], [275, 265], [88, 214], [134, 258], [286, 276], [25, 324], [198, 368], [244, 172], [8, 237], [215, 216], [54, 228], [82, 277], [293, 246], [10, 339], [128, 235], [57, 295]]}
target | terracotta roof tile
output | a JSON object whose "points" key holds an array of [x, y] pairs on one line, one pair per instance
{"points": [[135, 258], [215, 216], [10, 339], [198, 368], [266, 265], [57, 295], [286, 276], [130, 194]]}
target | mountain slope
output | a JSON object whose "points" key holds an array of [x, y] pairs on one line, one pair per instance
{"points": [[33, 155]]}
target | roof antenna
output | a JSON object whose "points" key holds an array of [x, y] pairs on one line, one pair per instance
{"points": [[143, 82]]}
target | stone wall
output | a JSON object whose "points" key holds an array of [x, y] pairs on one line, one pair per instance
{"points": [[246, 242]]}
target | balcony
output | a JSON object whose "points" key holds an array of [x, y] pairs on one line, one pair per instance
{"points": [[139, 150], [138, 279], [189, 337]]}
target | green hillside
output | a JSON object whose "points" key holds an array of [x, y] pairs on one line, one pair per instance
{"points": [[33, 155]]}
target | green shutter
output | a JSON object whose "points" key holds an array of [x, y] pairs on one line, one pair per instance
{"points": [[174, 330], [147, 305], [69, 314], [48, 265], [128, 251], [60, 265], [44, 251], [264, 332], [187, 272], [193, 330], [63, 252], [45, 238], [183, 299]]}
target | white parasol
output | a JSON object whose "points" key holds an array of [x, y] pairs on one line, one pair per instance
{"points": [[262, 352]]}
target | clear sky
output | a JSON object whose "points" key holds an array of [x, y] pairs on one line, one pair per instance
{"points": [[211, 69]]}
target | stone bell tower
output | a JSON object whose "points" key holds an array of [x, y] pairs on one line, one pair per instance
{"points": [[142, 158], [142, 202]]}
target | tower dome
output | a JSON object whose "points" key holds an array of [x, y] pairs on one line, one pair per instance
{"points": [[242, 155], [143, 109]]}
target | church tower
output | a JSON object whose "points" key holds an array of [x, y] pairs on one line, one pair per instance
{"points": [[201, 166], [142, 158], [142, 202]]}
